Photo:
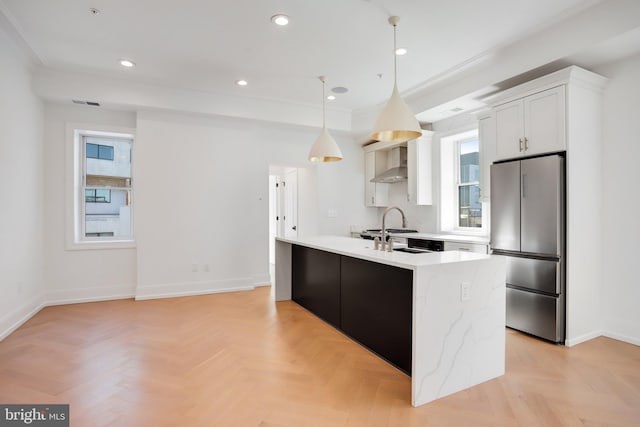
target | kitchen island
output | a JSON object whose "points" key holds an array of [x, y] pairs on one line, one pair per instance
{"points": [[437, 316]]}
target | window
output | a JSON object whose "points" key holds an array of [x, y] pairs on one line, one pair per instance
{"points": [[96, 195], [469, 208], [102, 152], [102, 197], [461, 208]]}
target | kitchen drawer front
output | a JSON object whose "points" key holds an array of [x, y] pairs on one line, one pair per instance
{"points": [[536, 314], [536, 274], [467, 247]]}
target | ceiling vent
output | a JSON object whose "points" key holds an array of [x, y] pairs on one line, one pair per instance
{"points": [[93, 104]]}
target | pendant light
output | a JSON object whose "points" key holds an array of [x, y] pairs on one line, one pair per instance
{"points": [[325, 149], [396, 123]]}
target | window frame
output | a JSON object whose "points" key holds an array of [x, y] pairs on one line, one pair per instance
{"points": [[458, 183], [449, 176], [75, 238]]}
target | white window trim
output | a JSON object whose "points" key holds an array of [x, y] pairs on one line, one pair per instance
{"points": [[73, 167]]}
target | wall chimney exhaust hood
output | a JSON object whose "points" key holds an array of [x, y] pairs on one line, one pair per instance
{"points": [[397, 167]]}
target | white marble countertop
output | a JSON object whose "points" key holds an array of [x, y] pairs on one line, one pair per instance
{"points": [[458, 238], [363, 249]]}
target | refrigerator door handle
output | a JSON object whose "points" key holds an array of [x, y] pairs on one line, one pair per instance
{"points": [[524, 179]]}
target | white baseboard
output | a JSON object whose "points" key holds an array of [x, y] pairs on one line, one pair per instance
{"points": [[80, 295], [170, 290], [582, 338], [13, 320], [621, 337], [262, 280]]}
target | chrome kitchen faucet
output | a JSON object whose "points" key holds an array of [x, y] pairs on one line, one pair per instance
{"points": [[383, 232]]}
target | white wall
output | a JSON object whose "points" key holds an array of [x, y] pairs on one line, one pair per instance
{"points": [[21, 186], [621, 203], [77, 275], [202, 199], [421, 218]]}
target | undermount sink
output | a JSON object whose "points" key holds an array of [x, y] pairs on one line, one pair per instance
{"points": [[412, 250]]}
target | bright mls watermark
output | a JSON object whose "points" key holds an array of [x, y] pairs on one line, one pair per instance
{"points": [[34, 415]]}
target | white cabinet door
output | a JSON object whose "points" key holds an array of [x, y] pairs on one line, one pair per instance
{"points": [[544, 120], [509, 121], [419, 171], [376, 194], [531, 125]]}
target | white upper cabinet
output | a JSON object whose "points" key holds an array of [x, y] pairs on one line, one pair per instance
{"points": [[531, 125], [486, 135], [419, 170], [376, 194], [509, 129]]}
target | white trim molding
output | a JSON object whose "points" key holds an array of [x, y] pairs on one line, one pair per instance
{"points": [[18, 317], [170, 290]]}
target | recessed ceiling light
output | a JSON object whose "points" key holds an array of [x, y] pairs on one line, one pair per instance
{"points": [[401, 51], [127, 63], [94, 11], [331, 97], [339, 89], [242, 82], [280, 19]]}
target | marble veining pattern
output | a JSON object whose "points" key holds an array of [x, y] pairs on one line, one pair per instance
{"points": [[457, 343]]}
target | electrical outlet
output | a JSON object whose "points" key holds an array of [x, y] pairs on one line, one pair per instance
{"points": [[332, 213], [465, 291]]}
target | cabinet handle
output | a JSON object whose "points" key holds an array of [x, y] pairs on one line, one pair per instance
{"points": [[408, 197], [526, 144], [520, 140], [373, 200]]}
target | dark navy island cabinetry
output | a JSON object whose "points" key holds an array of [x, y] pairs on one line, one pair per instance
{"points": [[315, 279], [376, 306], [368, 301]]}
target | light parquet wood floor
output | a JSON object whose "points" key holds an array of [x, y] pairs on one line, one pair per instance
{"points": [[239, 359]]}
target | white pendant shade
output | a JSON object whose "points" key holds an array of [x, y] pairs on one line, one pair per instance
{"points": [[396, 123], [325, 149]]}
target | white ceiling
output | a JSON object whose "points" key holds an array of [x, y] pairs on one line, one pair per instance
{"points": [[208, 44]]}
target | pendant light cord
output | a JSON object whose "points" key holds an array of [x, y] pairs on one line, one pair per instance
{"points": [[395, 58], [323, 102]]}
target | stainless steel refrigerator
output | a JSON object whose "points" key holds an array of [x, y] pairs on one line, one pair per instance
{"points": [[528, 227]]}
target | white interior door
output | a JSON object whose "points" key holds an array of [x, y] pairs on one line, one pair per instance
{"points": [[273, 215], [290, 217]]}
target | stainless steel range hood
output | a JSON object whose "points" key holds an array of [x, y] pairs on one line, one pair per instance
{"points": [[397, 167]]}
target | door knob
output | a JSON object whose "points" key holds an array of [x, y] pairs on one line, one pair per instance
{"points": [[294, 228]]}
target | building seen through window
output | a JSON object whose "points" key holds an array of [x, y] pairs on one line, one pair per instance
{"points": [[469, 205], [107, 188]]}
